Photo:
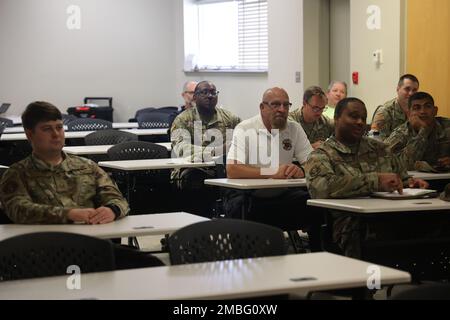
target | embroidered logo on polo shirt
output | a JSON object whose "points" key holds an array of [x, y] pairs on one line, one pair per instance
{"points": [[287, 144]]}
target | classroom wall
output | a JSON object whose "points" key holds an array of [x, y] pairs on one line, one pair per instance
{"points": [[124, 49], [340, 40], [316, 26], [133, 51], [377, 84], [241, 93]]}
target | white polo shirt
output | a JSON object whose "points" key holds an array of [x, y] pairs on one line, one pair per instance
{"points": [[252, 144]]}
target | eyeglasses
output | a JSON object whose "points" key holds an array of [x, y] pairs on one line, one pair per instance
{"points": [[317, 109], [190, 92], [277, 104], [206, 93]]}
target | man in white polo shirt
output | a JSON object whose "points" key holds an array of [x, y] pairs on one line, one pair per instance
{"points": [[263, 147]]}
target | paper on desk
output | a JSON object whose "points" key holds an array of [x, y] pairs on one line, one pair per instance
{"points": [[408, 193]]}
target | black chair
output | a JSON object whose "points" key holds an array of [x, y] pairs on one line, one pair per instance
{"points": [[435, 291], [154, 120], [225, 239], [4, 122], [109, 137], [151, 186], [135, 150], [86, 124], [46, 254], [66, 118]]}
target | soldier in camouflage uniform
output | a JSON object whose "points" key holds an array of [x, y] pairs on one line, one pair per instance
{"points": [[424, 137], [350, 165], [189, 132], [50, 186], [394, 113], [317, 127]]}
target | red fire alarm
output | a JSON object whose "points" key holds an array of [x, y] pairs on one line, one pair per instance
{"points": [[355, 77]]}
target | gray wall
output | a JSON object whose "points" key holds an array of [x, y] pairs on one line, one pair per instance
{"points": [[340, 40], [133, 51], [125, 49], [377, 84], [316, 26]]}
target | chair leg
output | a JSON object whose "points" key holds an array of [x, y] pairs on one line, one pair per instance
{"points": [[296, 241]]}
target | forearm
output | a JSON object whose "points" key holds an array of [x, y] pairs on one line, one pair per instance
{"points": [[26, 212], [332, 186], [243, 171]]}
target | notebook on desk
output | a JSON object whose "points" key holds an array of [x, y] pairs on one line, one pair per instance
{"points": [[408, 193]]}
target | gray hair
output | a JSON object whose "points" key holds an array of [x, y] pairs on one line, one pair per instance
{"points": [[332, 83]]}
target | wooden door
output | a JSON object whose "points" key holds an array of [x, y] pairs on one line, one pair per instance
{"points": [[427, 48]]}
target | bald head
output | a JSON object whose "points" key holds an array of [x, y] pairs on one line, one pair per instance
{"points": [[275, 108], [274, 92]]}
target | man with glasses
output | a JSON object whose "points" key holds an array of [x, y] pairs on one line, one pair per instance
{"points": [[200, 133], [317, 127], [264, 147], [423, 142]]}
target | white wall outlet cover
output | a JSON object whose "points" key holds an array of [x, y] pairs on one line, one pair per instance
{"points": [[374, 19]]}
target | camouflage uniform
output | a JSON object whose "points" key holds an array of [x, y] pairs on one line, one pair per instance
{"points": [[184, 124], [388, 117], [319, 130], [335, 170], [33, 191], [429, 144]]}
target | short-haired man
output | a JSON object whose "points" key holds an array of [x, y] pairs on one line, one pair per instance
{"points": [[50, 186], [188, 100], [350, 165], [337, 90], [188, 94], [317, 127], [424, 137], [201, 134], [264, 147], [394, 113]]}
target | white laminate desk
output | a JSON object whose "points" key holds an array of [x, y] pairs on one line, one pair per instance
{"points": [[17, 120], [252, 184], [130, 226], [101, 149], [430, 175], [373, 205], [115, 125], [82, 134], [154, 164], [125, 125], [18, 129], [232, 279], [147, 132]]}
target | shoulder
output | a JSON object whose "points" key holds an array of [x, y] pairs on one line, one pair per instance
{"points": [[76, 162], [388, 107], [186, 115], [22, 165], [295, 115], [228, 115], [251, 123]]}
